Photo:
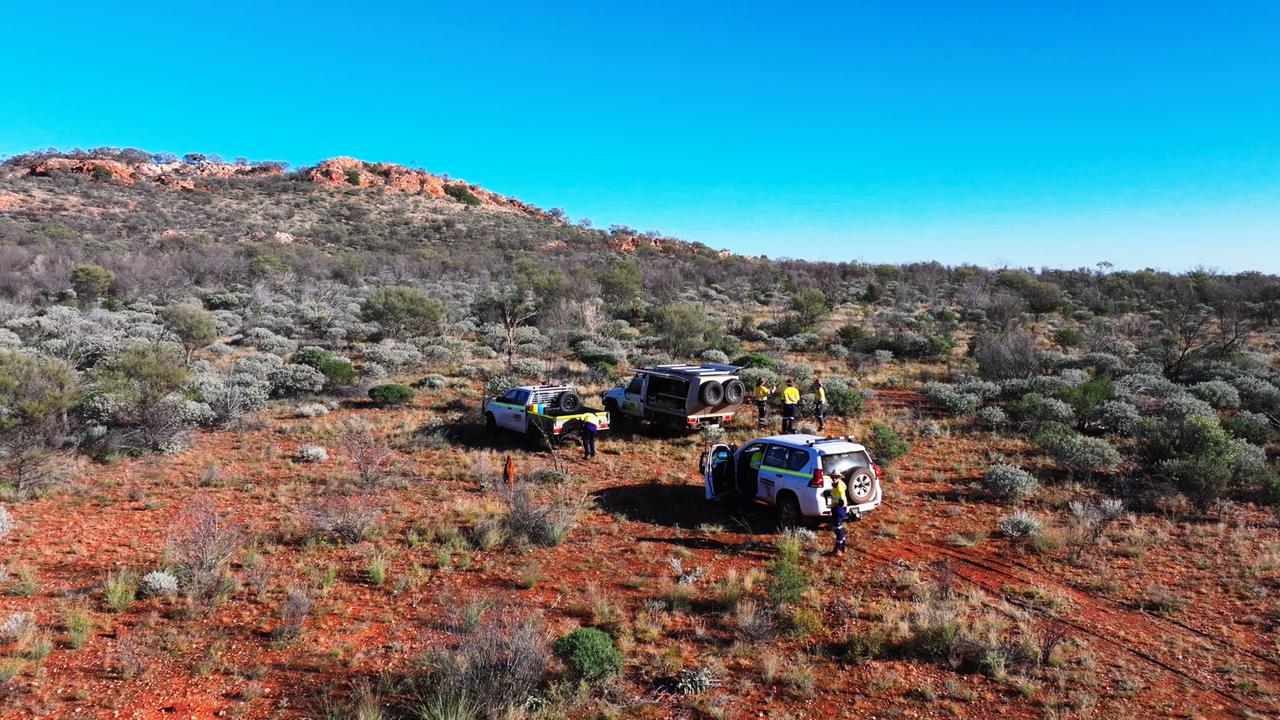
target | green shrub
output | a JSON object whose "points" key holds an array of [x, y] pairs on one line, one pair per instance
{"points": [[885, 444], [1075, 451], [788, 580], [589, 653], [390, 394], [843, 399], [1198, 456], [1086, 396], [194, 326], [336, 370], [863, 646], [1068, 337], [1254, 427], [91, 281], [461, 193], [402, 311], [755, 360]]}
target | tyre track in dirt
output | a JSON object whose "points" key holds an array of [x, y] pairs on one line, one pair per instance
{"points": [[1013, 566], [1107, 623]]}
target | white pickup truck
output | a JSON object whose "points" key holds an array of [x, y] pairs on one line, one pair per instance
{"points": [[541, 412], [682, 396]]}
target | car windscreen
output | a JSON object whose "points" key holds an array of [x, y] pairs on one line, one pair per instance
{"points": [[845, 464]]}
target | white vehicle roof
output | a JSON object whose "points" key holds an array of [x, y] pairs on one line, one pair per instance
{"points": [[825, 445]]}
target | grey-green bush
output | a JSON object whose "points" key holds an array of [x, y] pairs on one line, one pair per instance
{"points": [[1008, 482]]}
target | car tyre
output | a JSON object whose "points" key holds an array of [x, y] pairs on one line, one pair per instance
{"points": [[789, 515], [734, 391], [490, 424], [712, 393], [861, 487], [570, 402]]}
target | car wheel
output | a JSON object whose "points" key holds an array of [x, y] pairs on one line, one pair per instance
{"points": [[570, 402], [712, 393], [734, 391], [789, 516], [490, 424], [861, 487]]}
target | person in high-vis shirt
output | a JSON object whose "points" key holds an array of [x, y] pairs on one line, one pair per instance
{"points": [[762, 393], [590, 426], [790, 407], [839, 511], [819, 403]]}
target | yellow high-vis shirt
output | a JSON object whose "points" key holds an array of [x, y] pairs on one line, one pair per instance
{"points": [[762, 392], [790, 396], [821, 394]]}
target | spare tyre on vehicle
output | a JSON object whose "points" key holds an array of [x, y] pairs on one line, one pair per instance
{"points": [[861, 486], [734, 391], [569, 401], [712, 392]]}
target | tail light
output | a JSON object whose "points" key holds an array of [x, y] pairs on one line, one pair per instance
{"points": [[816, 480], [876, 469]]}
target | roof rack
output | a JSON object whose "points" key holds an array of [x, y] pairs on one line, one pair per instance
{"points": [[691, 370], [831, 438]]}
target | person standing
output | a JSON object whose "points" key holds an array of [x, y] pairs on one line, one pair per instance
{"points": [[589, 429], [790, 407], [839, 511], [762, 393], [820, 403]]}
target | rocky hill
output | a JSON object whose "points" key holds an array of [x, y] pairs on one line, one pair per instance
{"points": [[193, 173]]}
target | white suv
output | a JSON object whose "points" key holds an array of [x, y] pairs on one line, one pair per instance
{"points": [[793, 473]]}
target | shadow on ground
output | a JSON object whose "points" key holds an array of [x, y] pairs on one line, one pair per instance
{"points": [[681, 506]]}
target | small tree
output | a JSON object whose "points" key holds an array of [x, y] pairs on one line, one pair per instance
{"points": [[402, 310], [35, 397], [510, 310], [194, 326], [683, 328], [91, 281], [809, 305]]}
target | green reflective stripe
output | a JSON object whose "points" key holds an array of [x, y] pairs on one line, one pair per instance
{"points": [[513, 406], [785, 472]]}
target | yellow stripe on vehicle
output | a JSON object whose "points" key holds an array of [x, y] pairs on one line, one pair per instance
{"points": [[786, 472]]}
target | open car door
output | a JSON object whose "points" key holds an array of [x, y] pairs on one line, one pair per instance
{"points": [[717, 471]]}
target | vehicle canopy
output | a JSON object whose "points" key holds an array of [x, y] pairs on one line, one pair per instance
{"points": [[690, 372]]}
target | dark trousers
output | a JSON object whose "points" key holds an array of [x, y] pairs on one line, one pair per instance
{"points": [[788, 419], [762, 408], [820, 412], [838, 515], [588, 444]]}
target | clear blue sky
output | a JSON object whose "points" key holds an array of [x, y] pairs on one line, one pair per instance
{"points": [[1028, 133]]}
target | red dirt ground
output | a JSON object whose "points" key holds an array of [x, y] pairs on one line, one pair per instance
{"points": [[1214, 656]]}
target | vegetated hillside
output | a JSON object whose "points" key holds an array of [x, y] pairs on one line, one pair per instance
{"points": [[242, 467]]}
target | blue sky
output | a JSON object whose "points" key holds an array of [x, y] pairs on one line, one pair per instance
{"points": [[1022, 133]]}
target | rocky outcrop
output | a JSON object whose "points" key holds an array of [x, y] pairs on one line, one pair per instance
{"points": [[130, 167], [349, 171], [175, 175]]}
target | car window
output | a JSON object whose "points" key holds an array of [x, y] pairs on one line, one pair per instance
{"points": [[510, 397], [721, 454], [797, 460], [777, 456], [845, 463], [636, 385], [520, 397]]}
